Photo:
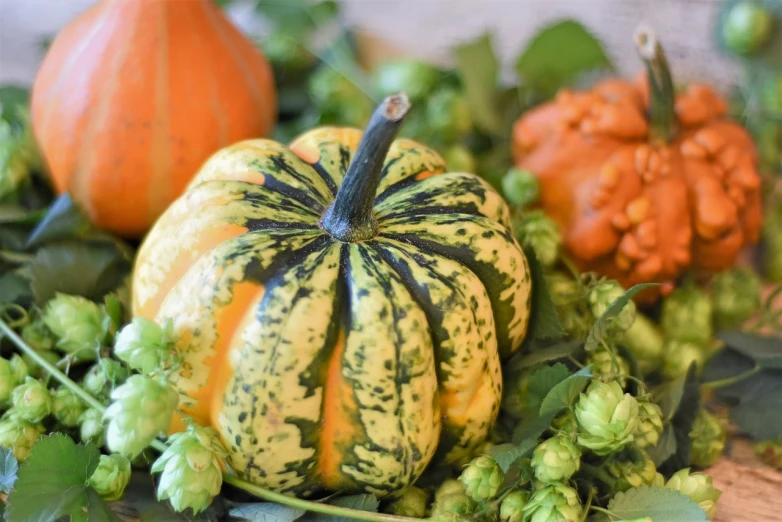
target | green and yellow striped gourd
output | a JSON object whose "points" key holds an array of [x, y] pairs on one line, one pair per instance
{"points": [[342, 306]]}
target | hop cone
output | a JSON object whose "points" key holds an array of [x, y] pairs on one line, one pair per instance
{"points": [[111, 477], [19, 435], [19, 367], [144, 344], [38, 336], [606, 292], [708, 437], [191, 475], [103, 376], [512, 506], [679, 355], [686, 316], [566, 423], [633, 470], [448, 115], [67, 407], [735, 297], [556, 460], [141, 410], [520, 187], [78, 324], [449, 487], [553, 503], [538, 232], [567, 295], [412, 503], [7, 381], [771, 452], [645, 342], [607, 417], [482, 478], [91, 427], [650, 424], [609, 367], [32, 400], [698, 487]]}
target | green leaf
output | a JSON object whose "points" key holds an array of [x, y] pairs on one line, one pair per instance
{"points": [[14, 214], [765, 351], [558, 54], [97, 509], [15, 288], [542, 382], [550, 353], [266, 512], [563, 394], [64, 220], [544, 320], [660, 504], [8, 470], [508, 454], [52, 481], [358, 502], [600, 328], [681, 422], [665, 448], [669, 395], [479, 69]]}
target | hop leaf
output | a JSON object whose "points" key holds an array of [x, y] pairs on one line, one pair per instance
{"points": [[111, 477], [67, 407], [191, 473], [553, 503], [607, 417], [482, 478], [555, 460], [145, 345], [142, 409], [32, 401], [698, 487], [78, 324], [708, 437]]}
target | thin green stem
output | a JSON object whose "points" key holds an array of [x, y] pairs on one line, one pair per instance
{"points": [[722, 383], [588, 504]]}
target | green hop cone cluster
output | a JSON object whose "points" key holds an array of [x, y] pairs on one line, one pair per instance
{"points": [[539, 232], [482, 478], [191, 474], [103, 377], [145, 345], [32, 400], [686, 316], [555, 460], [142, 408], [650, 425], [512, 506], [91, 427], [735, 297], [697, 486], [67, 407], [111, 477], [19, 435], [78, 323], [520, 187], [708, 437], [607, 417], [411, 503], [608, 366], [770, 451], [678, 356], [605, 292], [632, 469], [553, 503], [746, 27]]}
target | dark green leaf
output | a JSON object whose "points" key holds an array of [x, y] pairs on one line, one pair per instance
{"points": [[507, 454], [600, 328], [479, 69], [681, 423], [531, 429], [64, 220], [669, 395], [550, 353], [544, 320], [52, 481], [15, 288], [658, 503], [358, 502], [765, 351], [563, 394], [726, 364], [8, 469], [266, 512], [97, 509], [665, 448], [559, 54], [542, 382]]}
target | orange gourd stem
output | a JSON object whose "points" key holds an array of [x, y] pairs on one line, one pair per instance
{"points": [[662, 114]]}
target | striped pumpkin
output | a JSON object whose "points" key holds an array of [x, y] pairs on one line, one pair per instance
{"points": [[134, 95], [342, 306]]}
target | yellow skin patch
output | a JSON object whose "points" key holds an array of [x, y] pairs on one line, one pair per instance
{"points": [[326, 365]]}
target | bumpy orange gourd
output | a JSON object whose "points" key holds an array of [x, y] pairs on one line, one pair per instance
{"points": [[644, 183], [134, 95]]}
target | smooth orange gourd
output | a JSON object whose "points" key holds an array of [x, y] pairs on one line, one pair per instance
{"points": [[645, 184], [134, 95]]}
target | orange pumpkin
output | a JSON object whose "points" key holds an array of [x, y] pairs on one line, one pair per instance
{"points": [[134, 95], [644, 183]]}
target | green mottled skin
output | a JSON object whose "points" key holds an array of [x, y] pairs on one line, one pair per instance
{"points": [[327, 365]]}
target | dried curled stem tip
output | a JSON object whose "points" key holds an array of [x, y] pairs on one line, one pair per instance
{"points": [[646, 41], [396, 106]]}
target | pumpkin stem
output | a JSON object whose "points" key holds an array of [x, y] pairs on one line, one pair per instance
{"points": [[350, 217], [662, 114]]}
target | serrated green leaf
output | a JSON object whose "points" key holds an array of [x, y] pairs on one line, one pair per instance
{"points": [[531, 429], [549, 353], [52, 481], [600, 328], [756, 404], [544, 320], [765, 351], [681, 423], [64, 220], [266, 512], [665, 448], [542, 382], [479, 69], [97, 509], [15, 288], [508, 454], [563, 394], [669, 395], [660, 504], [558, 54], [9, 467]]}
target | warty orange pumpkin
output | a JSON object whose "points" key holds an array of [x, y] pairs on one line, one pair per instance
{"points": [[134, 95]]}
